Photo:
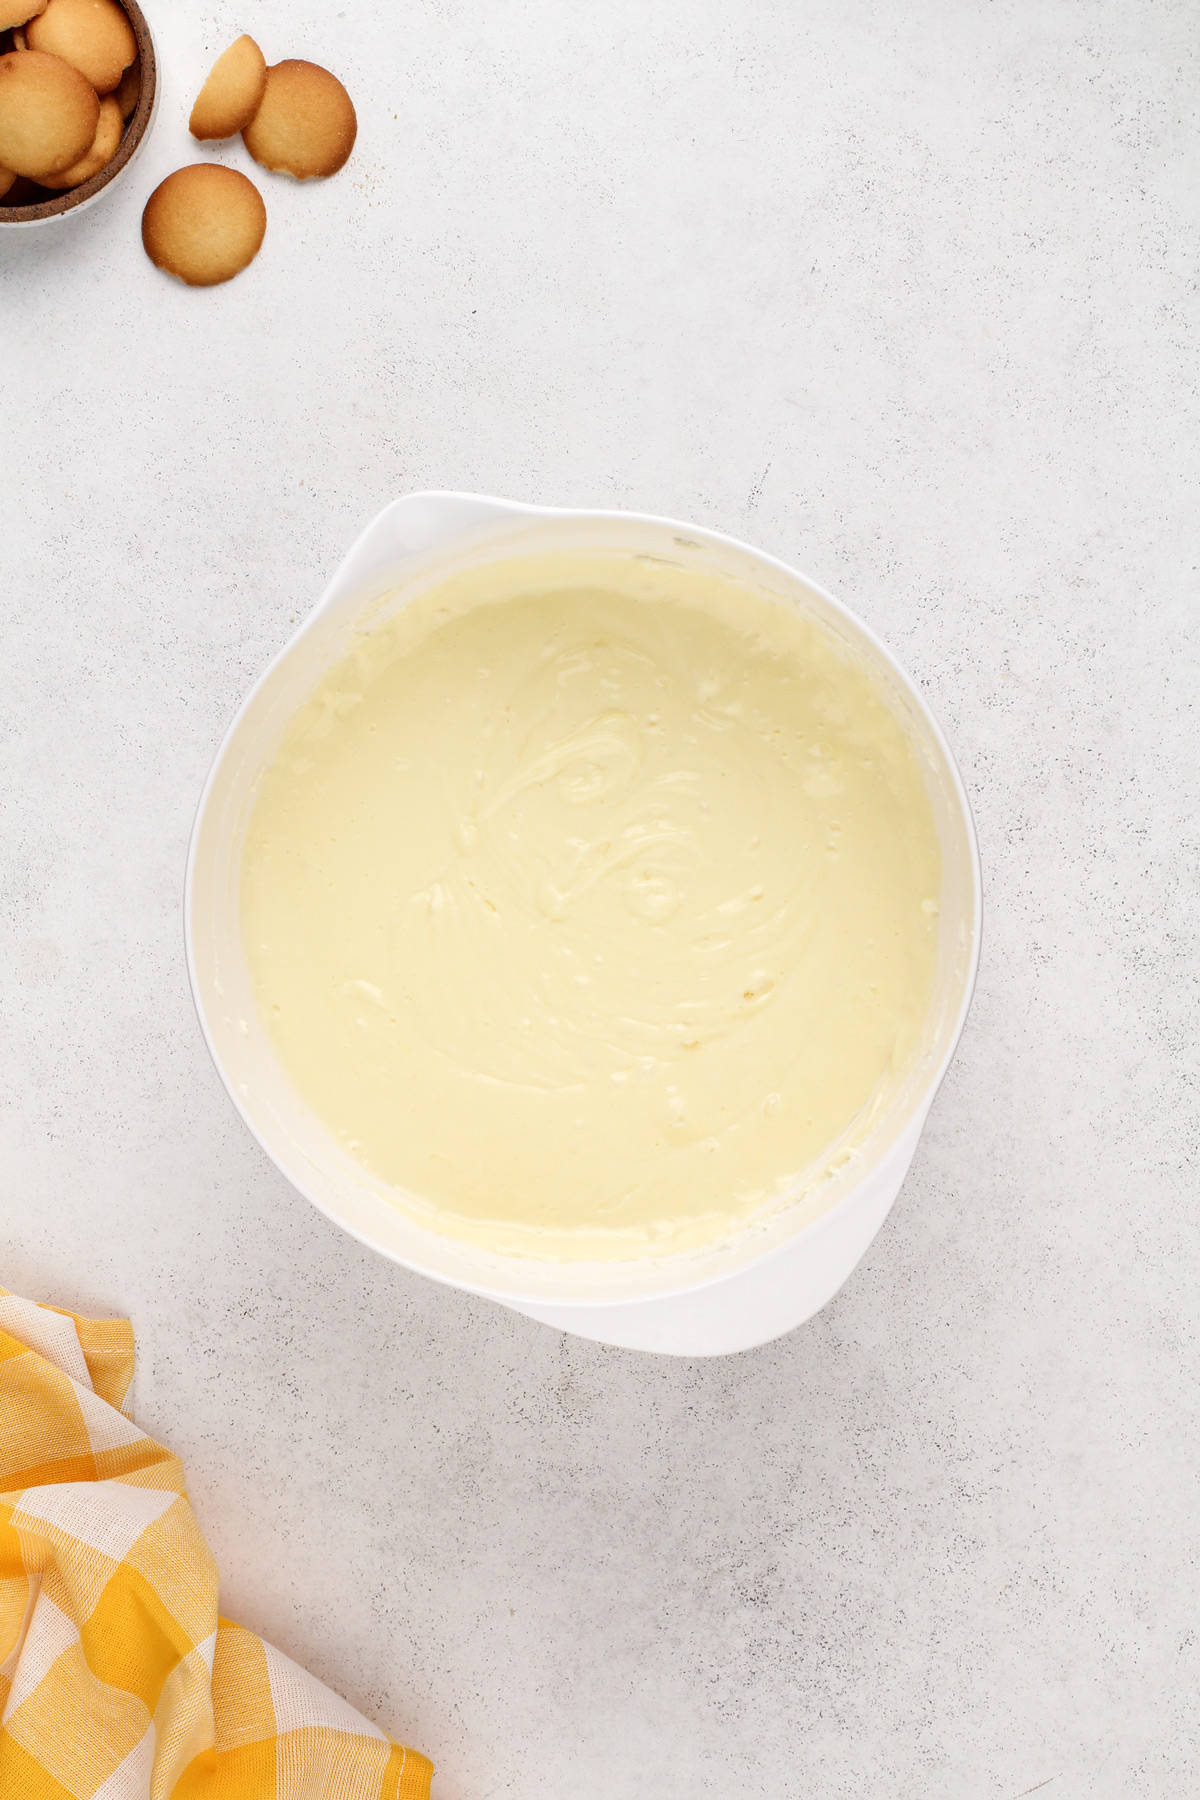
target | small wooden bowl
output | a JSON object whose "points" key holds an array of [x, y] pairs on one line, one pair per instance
{"points": [[40, 206]]}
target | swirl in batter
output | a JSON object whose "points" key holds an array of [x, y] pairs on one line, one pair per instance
{"points": [[591, 903]]}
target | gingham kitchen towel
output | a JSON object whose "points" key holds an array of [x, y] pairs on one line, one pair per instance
{"points": [[118, 1681]]}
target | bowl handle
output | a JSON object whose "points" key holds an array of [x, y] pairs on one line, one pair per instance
{"points": [[412, 526]]}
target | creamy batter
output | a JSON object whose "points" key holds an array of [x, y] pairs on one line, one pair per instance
{"points": [[592, 902]]}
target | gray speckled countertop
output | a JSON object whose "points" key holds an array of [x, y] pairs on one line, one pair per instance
{"points": [[906, 295]]}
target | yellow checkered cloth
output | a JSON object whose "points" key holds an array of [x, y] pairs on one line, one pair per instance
{"points": [[118, 1681]]}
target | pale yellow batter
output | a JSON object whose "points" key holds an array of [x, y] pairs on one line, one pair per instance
{"points": [[593, 903]]}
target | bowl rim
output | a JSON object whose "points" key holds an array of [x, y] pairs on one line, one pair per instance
{"points": [[812, 1229], [136, 127]]}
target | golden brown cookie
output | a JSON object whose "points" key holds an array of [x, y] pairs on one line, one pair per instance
{"points": [[129, 89], [19, 12], [7, 177], [305, 125], [105, 144], [20, 41], [230, 97], [204, 224], [48, 113], [93, 35]]}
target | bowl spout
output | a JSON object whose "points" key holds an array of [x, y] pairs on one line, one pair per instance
{"points": [[412, 529]]}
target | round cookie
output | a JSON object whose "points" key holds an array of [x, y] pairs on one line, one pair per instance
{"points": [[105, 144], [204, 223], [128, 91], [6, 180], [48, 113], [18, 12], [230, 97], [93, 35], [306, 123]]}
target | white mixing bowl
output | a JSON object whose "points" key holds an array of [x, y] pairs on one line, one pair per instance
{"points": [[773, 1274]]}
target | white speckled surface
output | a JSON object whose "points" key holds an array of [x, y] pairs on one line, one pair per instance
{"points": [[906, 294]]}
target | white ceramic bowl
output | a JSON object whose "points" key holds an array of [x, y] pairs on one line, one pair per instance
{"points": [[772, 1275]]}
